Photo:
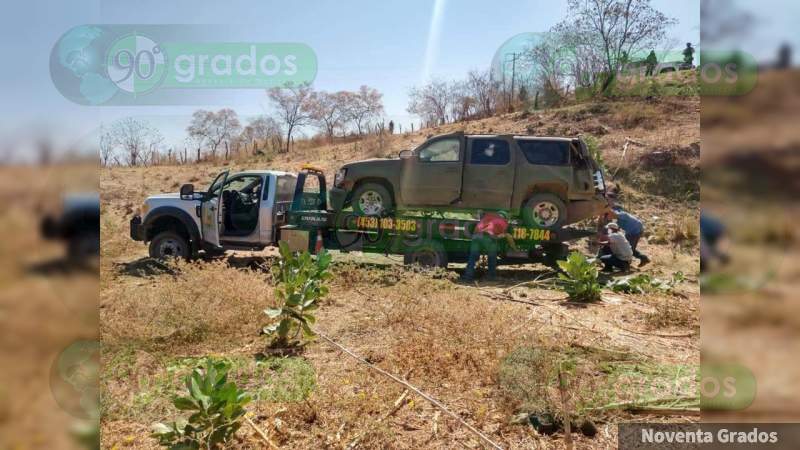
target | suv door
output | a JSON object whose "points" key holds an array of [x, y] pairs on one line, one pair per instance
{"points": [[489, 173], [210, 210], [432, 177]]}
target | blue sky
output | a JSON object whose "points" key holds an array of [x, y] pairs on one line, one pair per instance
{"points": [[381, 44]]}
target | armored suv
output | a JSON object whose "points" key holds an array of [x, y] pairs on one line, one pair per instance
{"points": [[548, 181]]}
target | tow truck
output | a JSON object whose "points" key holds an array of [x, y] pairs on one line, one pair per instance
{"points": [[253, 210]]}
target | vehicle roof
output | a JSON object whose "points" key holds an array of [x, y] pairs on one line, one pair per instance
{"points": [[262, 172], [549, 138]]}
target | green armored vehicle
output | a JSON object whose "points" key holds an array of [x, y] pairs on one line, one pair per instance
{"points": [[548, 181]]}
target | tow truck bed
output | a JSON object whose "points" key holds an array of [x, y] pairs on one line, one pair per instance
{"points": [[422, 239]]}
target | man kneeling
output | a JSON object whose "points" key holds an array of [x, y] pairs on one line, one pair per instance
{"points": [[616, 251]]}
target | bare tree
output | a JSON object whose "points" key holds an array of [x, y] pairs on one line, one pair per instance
{"points": [[484, 90], [213, 128], [293, 103], [136, 138], [106, 146], [618, 27], [431, 102], [462, 104], [329, 111], [363, 106], [262, 128]]}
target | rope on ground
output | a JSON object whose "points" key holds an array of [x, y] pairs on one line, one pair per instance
{"points": [[408, 385]]}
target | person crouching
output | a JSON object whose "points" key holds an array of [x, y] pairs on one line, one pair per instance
{"points": [[616, 251]]}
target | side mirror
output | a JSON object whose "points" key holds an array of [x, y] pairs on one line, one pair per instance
{"points": [[187, 192], [406, 154]]}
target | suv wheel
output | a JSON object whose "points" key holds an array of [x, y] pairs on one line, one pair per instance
{"points": [[544, 210], [169, 244], [372, 199]]}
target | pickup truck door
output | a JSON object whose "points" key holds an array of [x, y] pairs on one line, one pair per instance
{"points": [[432, 176], [210, 210]]}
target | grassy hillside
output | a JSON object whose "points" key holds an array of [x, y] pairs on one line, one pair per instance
{"points": [[479, 349]]}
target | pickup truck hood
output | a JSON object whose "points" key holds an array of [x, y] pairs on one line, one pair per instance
{"points": [[173, 200], [374, 163]]}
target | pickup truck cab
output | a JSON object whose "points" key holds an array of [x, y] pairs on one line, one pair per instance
{"points": [[238, 211], [548, 181]]}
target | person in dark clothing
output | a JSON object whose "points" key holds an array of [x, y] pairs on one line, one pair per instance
{"points": [[688, 54], [650, 62], [488, 232], [712, 231]]}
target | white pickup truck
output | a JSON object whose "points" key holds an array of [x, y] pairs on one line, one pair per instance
{"points": [[238, 211]]}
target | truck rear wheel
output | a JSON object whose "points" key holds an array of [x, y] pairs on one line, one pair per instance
{"points": [[169, 244], [372, 199], [428, 254], [544, 210]]}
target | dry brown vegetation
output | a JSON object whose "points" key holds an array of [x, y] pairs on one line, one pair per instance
{"points": [[46, 304], [751, 147], [453, 341]]}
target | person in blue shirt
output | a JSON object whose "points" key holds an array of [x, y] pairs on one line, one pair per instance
{"points": [[633, 228], [712, 231]]}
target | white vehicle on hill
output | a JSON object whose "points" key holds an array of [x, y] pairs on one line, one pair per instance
{"points": [[238, 211]]}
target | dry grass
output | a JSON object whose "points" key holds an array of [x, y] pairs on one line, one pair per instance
{"points": [[450, 340]]}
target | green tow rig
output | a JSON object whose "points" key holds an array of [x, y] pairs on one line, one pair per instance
{"points": [[421, 238]]}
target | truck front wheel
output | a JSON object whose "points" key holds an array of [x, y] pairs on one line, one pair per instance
{"points": [[372, 199], [169, 244]]}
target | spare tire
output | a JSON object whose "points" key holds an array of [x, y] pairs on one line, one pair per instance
{"points": [[544, 210]]}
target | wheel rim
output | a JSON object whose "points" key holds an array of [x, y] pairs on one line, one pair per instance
{"points": [[370, 202], [170, 248], [545, 214]]}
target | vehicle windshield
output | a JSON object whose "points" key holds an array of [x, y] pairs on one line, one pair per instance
{"points": [[214, 188]]}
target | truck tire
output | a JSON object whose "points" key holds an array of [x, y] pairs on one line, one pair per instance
{"points": [[429, 254], [169, 244], [372, 199], [544, 210]]}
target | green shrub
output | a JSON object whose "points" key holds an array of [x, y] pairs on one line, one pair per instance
{"points": [[579, 278], [644, 284], [216, 406], [300, 286]]}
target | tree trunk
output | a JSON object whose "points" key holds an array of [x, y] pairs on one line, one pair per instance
{"points": [[288, 138]]}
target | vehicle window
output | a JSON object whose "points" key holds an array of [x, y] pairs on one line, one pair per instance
{"points": [[490, 151], [442, 150], [284, 192], [547, 153], [213, 190], [247, 184]]}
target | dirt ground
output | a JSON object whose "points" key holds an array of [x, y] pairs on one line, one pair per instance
{"points": [[751, 146], [46, 304], [457, 342]]}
